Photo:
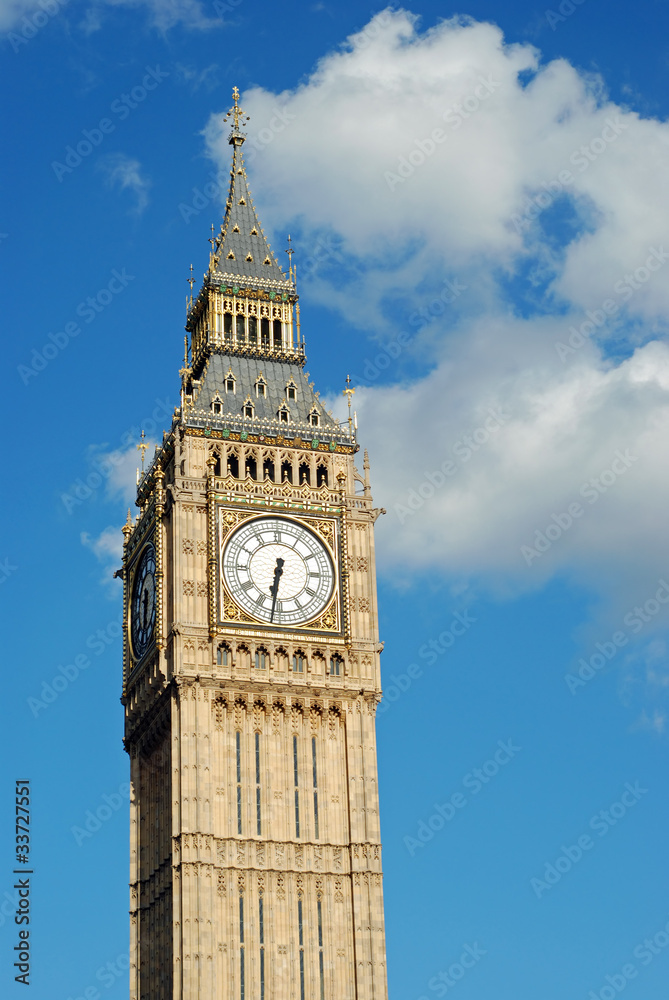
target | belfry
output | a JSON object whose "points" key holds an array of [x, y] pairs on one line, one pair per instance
{"points": [[251, 662]]}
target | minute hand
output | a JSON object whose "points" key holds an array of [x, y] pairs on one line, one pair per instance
{"points": [[274, 589]]}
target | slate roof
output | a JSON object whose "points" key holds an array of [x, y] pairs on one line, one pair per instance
{"points": [[243, 252], [246, 372]]}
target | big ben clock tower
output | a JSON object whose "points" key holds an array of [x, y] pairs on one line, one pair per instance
{"points": [[251, 663]]}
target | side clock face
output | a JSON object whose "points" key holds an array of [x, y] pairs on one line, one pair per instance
{"points": [[278, 571], [143, 607]]}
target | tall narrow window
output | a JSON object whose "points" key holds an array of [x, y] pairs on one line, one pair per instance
{"points": [[227, 326], [298, 663], [241, 328], [286, 472], [258, 823], [277, 333], [301, 934], [335, 665], [253, 330], [242, 984], [297, 793], [238, 737], [315, 769], [261, 934], [264, 333]]}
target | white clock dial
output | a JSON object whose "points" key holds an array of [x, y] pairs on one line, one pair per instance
{"points": [[278, 571]]}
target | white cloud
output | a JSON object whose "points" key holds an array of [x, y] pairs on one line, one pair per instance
{"points": [[124, 173], [197, 78], [351, 156], [107, 547]]}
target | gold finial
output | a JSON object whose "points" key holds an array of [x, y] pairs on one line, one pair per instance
{"points": [[238, 117], [212, 240], [185, 352], [143, 448], [127, 528], [348, 392], [191, 281]]}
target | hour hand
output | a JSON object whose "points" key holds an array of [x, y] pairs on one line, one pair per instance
{"points": [[274, 589]]}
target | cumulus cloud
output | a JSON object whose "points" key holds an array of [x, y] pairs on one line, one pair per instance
{"points": [[451, 159], [124, 173]]}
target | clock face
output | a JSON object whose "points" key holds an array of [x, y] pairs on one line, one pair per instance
{"points": [[278, 571], [143, 609]]}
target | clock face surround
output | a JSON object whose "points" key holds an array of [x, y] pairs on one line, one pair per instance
{"points": [[143, 605], [278, 570]]}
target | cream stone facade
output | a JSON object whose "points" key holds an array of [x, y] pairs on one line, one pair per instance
{"points": [[255, 840]]}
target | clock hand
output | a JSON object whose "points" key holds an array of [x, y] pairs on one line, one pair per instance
{"points": [[145, 609], [274, 589]]}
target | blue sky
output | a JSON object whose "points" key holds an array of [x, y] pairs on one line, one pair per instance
{"points": [[479, 207]]}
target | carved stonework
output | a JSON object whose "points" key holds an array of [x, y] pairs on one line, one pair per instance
{"points": [[254, 788]]}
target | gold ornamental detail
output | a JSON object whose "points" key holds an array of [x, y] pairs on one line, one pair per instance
{"points": [[326, 529], [232, 613]]}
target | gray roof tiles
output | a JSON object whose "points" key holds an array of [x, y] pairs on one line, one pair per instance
{"points": [[244, 251], [277, 375]]}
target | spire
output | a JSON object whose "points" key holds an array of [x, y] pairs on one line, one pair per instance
{"points": [[236, 137], [241, 252]]}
